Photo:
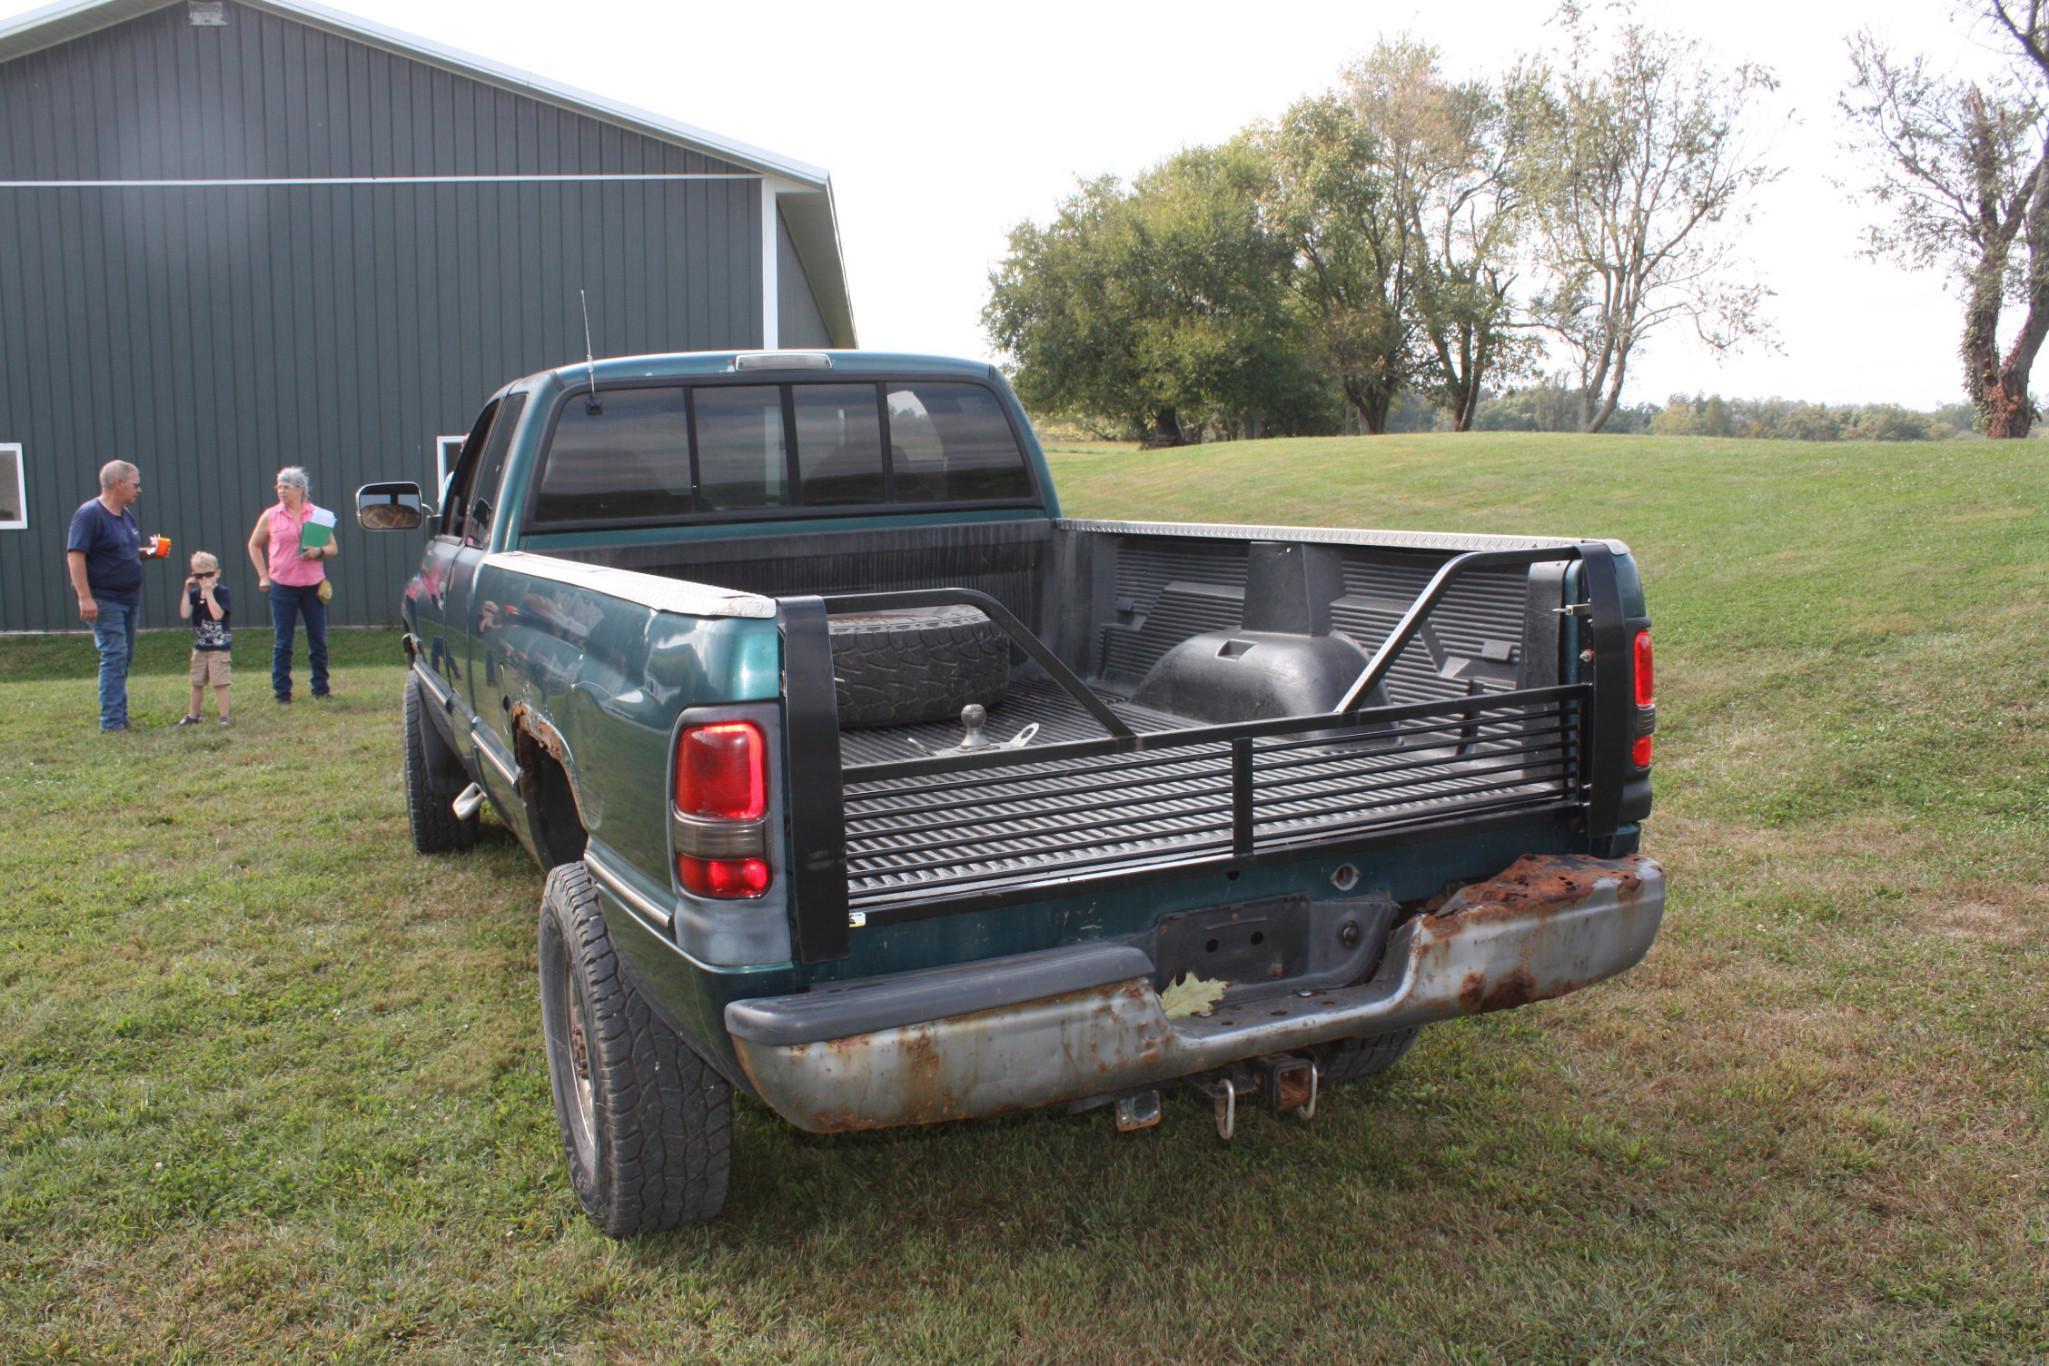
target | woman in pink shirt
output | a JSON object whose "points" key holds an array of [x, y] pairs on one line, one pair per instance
{"points": [[291, 574]]}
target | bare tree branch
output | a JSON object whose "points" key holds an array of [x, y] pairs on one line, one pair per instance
{"points": [[1959, 170], [1641, 176]]}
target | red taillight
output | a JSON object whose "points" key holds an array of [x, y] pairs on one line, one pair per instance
{"points": [[723, 877], [721, 776], [721, 771], [1646, 697]]}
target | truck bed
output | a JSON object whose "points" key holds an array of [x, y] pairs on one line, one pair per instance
{"points": [[1474, 721]]}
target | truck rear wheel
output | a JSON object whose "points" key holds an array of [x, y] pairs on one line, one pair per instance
{"points": [[429, 795], [916, 664], [646, 1123], [1354, 1059]]}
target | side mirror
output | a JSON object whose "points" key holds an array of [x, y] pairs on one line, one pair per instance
{"points": [[390, 507]]}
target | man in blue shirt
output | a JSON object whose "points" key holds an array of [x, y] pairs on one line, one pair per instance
{"points": [[104, 554]]}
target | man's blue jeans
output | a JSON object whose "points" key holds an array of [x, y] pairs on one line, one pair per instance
{"points": [[287, 605], [114, 633]]}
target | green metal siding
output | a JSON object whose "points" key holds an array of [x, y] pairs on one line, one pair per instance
{"points": [[212, 334]]}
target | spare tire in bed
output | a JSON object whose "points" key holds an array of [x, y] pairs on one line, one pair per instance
{"points": [[916, 664]]}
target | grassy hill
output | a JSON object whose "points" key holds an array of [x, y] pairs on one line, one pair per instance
{"points": [[267, 1080]]}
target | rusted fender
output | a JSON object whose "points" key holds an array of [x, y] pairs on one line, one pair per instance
{"points": [[531, 722], [1544, 927]]}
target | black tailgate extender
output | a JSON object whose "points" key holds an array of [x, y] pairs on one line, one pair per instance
{"points": [[816, 813], [1433, 591], [936, 840], [818, 810], [1608, 635]]}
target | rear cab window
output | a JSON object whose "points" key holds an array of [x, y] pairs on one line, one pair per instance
{"points": [[742, 450], [720, 451], [950, 443], [839, 444], [625, 456]]}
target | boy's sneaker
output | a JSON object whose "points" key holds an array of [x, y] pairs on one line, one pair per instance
{"points": [[185, 721], [224, 720]]}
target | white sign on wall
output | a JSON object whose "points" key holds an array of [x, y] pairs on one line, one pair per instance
{"points": [[446, 449], [13, 487]]}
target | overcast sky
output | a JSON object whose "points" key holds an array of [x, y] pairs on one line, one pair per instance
{"points": [[945, 124]]}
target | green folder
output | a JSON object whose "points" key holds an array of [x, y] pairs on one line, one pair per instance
{"points": [[317, 530]]}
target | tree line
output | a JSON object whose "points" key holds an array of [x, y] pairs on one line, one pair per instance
{"points": [[1552, 404], [1409, 239], [1785, 419]]}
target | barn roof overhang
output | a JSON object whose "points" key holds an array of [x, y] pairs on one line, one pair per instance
{"points": [[803, 192]]}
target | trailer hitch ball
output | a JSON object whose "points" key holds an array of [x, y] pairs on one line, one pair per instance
{"points": [[973, 717]]}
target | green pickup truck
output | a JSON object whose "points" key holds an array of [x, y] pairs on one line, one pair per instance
{"points": [[872, 786]]}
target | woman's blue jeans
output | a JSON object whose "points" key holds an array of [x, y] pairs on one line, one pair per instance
{"points": [[287, 605], [114, 633]]}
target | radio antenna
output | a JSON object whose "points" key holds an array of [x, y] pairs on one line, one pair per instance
{"points": [[590, 364]]}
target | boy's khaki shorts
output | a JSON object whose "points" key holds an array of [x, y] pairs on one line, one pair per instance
{"points": [[211, 666]]}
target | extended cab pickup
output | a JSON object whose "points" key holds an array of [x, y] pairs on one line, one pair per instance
{"points": [[872, 786]]}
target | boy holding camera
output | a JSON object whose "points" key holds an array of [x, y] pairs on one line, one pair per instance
{"points": [[205, 605]]}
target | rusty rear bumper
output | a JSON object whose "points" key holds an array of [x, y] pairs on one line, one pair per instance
{"points": [[1010, 1034]]}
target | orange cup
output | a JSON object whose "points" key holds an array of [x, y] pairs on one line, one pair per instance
{"points": [[160, 547]]}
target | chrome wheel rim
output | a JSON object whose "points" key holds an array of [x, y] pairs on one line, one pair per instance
{"points": [[583, 1115]]}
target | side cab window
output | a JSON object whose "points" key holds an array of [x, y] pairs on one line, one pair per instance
{"points": [[463, 479], [483, 495]]}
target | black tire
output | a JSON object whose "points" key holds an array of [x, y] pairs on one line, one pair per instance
{"points": [[1354, 1059], [429, 799], [647, 1125], [918, 664]]}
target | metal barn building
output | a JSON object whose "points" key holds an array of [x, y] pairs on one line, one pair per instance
{"points": [[239, 234]]}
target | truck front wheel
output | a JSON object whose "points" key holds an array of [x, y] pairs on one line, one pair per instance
{"points": [[646, 1124]]}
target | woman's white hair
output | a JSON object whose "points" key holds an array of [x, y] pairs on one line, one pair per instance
{"points": [[296, 474]]}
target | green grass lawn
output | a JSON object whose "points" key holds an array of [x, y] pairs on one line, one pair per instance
{"points": [[270, 1082]]}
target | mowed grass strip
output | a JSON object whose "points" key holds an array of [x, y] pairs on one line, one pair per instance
{"points": [[269, 1082]]}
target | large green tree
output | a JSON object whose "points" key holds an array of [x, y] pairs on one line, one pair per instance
{"points": [[1331, 201], [1215, 332], [1160, 309], [1060, 307], [1961, 170]]}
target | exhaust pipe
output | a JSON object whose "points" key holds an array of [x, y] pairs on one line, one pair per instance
{"points": [[467, 801]]}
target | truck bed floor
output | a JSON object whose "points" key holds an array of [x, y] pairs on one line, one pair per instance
{"points": [[1059, 718]]}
